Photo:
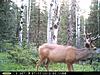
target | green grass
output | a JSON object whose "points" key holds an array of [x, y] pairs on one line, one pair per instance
{"points": [[8, 65], [63, 67]]}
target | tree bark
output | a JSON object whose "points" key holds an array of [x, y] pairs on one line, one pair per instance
{"points": [[21, 24], [72, 22], [78, 27], [49, 26], [28, 19], [53, 21], [56, 21]]}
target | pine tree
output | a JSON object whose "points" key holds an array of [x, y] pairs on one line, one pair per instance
{"points": [[9, 19]]}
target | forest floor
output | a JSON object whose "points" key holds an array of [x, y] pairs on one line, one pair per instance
{"points": [[7, 65]]}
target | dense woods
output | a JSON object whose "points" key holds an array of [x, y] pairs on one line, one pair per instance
{"points": [[63, 18], [92, 23]]}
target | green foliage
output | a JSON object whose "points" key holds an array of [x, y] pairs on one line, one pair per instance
{"points": [[38, 24], [7, 65], [23, 55], [62, 33], [6, 45], [96, 62], [8, 23], [93, 21], [85, 67], [96, 66]]}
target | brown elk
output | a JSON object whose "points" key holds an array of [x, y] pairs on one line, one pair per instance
{"points": [[61, 54]]}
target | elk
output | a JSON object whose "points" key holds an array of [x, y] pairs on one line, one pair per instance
{"points": [[62, 54], [90, 40]]}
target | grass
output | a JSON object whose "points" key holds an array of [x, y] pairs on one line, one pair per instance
{"points": [[63, 67], [7, 65]]}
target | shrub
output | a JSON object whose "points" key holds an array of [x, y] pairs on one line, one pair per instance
{"points": [[96, 62], [6, 45], [23, 55]]}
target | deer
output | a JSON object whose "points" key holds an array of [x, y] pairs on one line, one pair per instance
{"points": [[62, 54]]}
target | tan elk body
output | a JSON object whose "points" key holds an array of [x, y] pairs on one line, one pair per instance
{"points": [[61, 54]]}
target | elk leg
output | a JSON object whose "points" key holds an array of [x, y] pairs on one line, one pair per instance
{"points": [[39, 63], [46, 64], [70, 67]]}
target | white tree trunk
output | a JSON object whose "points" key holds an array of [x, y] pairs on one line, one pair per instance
{"points": [[49, 26], [21, 24], [78, 27], [53, 21], [20, 33], [28, 18], [56, 20]]}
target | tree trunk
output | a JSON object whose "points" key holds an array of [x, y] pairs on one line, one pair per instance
{"points": [[28, 19], [49, 26], [21, 24], [53, 21], [38, 30], [78, 27], [56, 20], [72, 22]]}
